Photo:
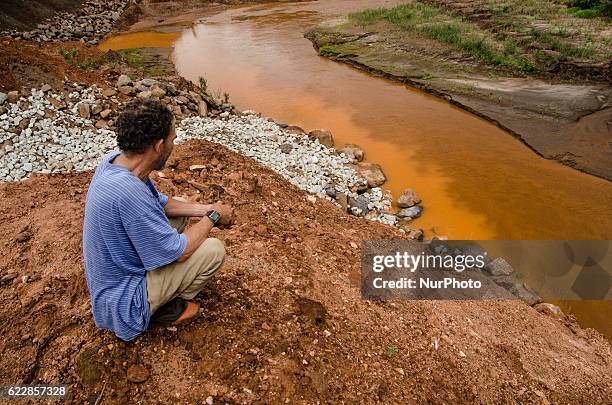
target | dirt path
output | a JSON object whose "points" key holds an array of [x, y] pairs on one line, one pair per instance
{"points": [[284, 319]]}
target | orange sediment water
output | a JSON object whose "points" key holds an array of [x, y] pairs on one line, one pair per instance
{"points": [[476, 181], [141, 40]]}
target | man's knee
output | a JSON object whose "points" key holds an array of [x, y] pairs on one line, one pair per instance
{"points": [[213, 250]]}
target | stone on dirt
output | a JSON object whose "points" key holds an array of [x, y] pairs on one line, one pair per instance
{"points": [[286, 148], [127, 90], [525, 293], [84, 110], [202, 108], [359, 205], [124, 80], [549, 309], [24, 236], [157, 92], [12, 96], [137, 373], [109, 93], [295, 130], [106, 113]]}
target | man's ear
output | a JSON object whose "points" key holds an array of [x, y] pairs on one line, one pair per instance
{"points": [[158, 145]]}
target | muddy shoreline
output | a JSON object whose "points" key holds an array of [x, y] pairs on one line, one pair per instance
{"points": [[554, 134]]}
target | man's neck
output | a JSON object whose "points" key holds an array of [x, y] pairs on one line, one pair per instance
{"points": [[139, 165]]}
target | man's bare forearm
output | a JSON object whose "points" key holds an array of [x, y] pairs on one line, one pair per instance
{"points": [[196, 235], [176, 208]]}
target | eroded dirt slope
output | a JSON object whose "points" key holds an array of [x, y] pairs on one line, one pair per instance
{"points": [[26, 14], [282, 320]]}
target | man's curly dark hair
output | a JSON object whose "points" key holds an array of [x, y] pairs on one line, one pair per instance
{"points": [[142, 122]]}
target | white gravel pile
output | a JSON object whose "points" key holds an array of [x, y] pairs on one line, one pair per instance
{"points": [[38, 136], [90, 22], [45, 133], [307, 164]]}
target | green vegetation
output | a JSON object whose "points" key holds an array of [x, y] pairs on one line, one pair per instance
{"points": [[69, 56], [400, 15], [565, 49], [449, 28], [527, 35], [333, 51], [391, 351], [203, 84], [72, 58], [133, 57], [427, 76], [590, 8]]}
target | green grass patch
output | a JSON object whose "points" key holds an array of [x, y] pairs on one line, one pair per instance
{"points": [[133, 57], [566, 50], [427, 76], [447, 27], [400, 15], [391, 351], [333, 51]]}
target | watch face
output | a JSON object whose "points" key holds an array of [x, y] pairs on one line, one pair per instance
{"points": [[214, 216]]}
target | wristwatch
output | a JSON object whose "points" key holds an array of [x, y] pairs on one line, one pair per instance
{"points": [[214, 216]]}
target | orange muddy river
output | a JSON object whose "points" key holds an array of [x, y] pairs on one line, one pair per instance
{"points": [[476, 181]]}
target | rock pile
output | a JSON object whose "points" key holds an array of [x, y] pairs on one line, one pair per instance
{"points": [[93, 20], [47, 133], [52, 133], [301, 159]]}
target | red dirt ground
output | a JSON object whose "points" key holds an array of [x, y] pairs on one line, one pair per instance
{"points": [[28, 64], [291, 275]]}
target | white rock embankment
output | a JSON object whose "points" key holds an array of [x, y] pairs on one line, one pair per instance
{"points": [[48, 133]]}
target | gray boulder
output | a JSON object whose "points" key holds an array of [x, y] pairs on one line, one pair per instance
{"points": [[499, 267], [124, 80], [358, 206], [526, 294], [410, 213]]}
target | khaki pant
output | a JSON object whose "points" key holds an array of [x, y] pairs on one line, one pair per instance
{"points": [[184, 279]]}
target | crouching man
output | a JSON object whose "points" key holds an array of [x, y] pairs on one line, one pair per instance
{"points": [[140, 261]]}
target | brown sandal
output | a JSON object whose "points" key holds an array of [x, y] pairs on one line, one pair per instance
{"points": [[176, 311], [191, 312]]}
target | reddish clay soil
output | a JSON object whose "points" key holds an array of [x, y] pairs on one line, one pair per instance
{"points": [[28, 64], [283, 319]]}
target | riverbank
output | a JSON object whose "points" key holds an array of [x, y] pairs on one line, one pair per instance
{"points": [[284, 319], [553, 115]]}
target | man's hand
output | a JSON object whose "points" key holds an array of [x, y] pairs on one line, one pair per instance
{"points": [[226, 211]]}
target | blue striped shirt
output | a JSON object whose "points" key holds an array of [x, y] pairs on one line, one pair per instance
{"points": [[125, 234]]}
